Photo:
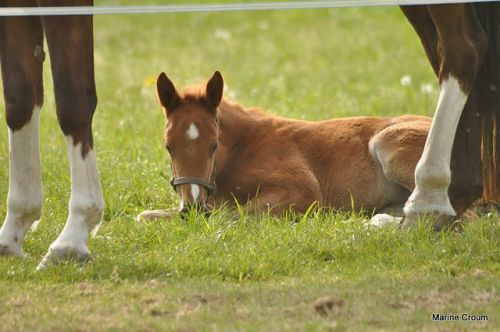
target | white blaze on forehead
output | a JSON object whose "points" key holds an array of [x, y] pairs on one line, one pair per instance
{"points": [[193, 132], [195, 191]]}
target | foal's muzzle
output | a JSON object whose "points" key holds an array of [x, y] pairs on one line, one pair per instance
{"points": [[201, 207]]}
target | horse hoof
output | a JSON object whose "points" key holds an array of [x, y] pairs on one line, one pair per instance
{"points": [[6, 250], [444, 222], [438, 222], [60, 254]]}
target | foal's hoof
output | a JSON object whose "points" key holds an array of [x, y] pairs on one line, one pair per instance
{"points": [[151, 215], [6, 250], [60, 254], [439, 222]]}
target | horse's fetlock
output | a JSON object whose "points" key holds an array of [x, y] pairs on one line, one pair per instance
{"points": [[92, 209], [432, 176]]}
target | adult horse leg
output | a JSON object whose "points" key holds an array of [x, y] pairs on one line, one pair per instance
{"points": [[70, 41], [397, 150], [461, 45], [21, 40]]}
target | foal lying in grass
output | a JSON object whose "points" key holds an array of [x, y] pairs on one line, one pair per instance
{"points": [[221, 152]]}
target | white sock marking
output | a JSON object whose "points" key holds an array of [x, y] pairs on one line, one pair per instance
{"points": [[195, 192], [432, 174], [24, 201], [193, 132], [86, 203]]}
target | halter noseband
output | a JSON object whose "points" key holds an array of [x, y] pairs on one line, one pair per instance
{"points": [[209, 186]]}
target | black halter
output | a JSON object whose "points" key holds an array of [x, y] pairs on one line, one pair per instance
{"points": [[208, 185]]}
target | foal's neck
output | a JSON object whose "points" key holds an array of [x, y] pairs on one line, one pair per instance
{"points": [[235, 128]]}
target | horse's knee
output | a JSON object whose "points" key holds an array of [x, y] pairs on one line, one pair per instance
{"points": [[19, 103], [75, 110], [432, 175]]}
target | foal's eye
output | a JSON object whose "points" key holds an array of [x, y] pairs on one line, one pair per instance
{"points": [[213, 147]]}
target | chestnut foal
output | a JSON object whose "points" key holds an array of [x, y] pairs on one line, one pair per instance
{"points": [[221, 152]]}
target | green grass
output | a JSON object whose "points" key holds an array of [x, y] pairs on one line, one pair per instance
{"points": [[243, 273]]}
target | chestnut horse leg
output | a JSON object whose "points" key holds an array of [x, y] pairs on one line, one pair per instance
{"points": [[20, 38], [461, 43], [70, 41]]}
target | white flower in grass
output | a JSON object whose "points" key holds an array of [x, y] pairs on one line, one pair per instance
{"points": [[405, 80], [223, 34], [426, 88]]}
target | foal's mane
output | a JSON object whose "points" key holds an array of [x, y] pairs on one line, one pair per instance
{"points": [[193, 94]]}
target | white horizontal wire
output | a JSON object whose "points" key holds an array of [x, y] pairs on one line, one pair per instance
{"points": [[227, 7]]}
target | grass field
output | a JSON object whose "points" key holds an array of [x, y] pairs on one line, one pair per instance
{"points": [[244, 273]]}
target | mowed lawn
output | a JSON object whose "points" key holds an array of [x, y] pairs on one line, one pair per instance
{"points": [[232, 271]]}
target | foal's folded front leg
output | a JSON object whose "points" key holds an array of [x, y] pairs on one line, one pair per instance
{"points": [[278, 200], [152, 215]]}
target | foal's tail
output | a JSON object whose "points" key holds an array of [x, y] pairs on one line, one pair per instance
{"points": [[488, 86]]}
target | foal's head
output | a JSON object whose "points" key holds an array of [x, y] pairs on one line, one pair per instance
{"points": [[191, 135]]}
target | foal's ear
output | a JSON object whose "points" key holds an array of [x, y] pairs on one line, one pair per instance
{"points": [[169, 98], [215, 88]]}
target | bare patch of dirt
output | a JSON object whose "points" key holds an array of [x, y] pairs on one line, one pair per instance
{"points": [[406, 306], [327, 304], [19, 301], [482, 298], [86, 289], [478, 273], [191, 306], [153, 283], [434, 300]]}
